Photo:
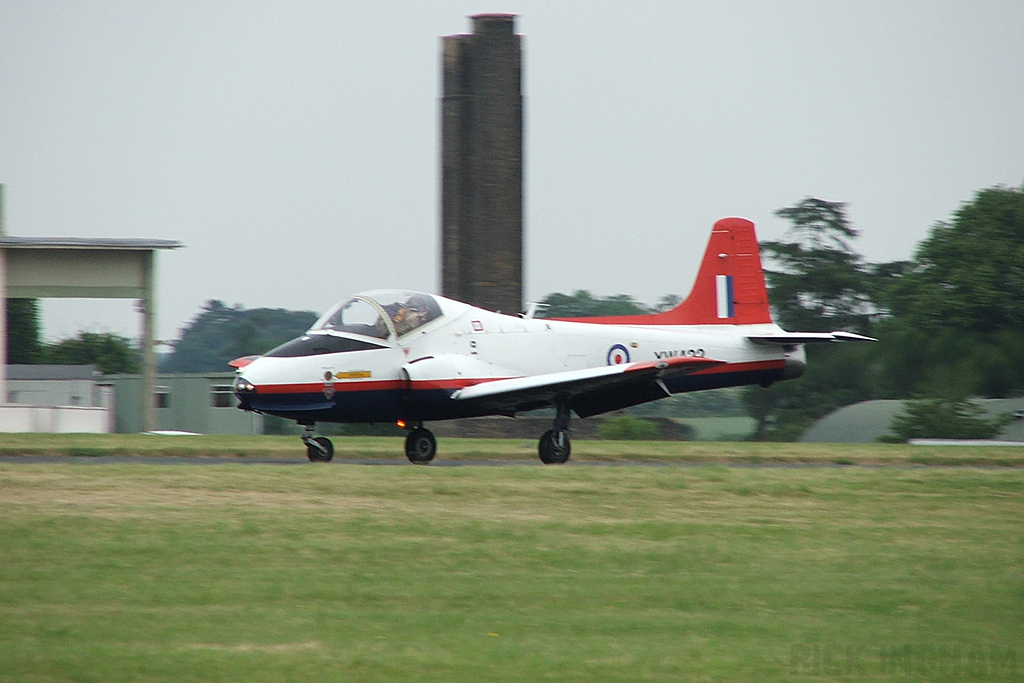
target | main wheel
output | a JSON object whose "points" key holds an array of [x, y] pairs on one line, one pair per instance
{"points": [[554, 447], [319, 449], [420, 446]]}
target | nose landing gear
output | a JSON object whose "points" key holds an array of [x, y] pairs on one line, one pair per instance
{"points": [[318, 448]]}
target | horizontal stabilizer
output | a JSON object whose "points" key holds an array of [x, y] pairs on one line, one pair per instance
{"points": [[786, 338]]}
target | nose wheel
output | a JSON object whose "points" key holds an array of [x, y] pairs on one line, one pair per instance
{"points": [[420, 445]]}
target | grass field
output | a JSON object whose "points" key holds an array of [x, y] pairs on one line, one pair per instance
{"points": [[129, 572], [361, 448]]}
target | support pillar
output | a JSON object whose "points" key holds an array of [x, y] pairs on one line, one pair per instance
{"points": [[3, 326], [3, 302], [147, 306]]}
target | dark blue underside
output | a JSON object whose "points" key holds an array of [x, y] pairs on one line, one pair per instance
{"points": [[391, 405], [720, 380]]}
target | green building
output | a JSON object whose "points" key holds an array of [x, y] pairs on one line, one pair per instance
{"points": [[200, 403]]}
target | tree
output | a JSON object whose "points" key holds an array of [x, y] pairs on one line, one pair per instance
{"points": [[968, 274], [819, 284], [822, 284], [219, 334], [110, 353], [23, 345], [583, 304], [667, 302], [958, 307], [939, 418], [761, 404], [836, 375]]}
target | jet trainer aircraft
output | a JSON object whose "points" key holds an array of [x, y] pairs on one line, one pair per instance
{"points": [[408, 357]]}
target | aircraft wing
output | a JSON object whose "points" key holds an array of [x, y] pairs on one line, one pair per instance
{"points": [[807, 337], [589, 391]]}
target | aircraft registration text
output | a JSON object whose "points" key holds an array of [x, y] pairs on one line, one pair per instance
{"points": [[690, 353]]}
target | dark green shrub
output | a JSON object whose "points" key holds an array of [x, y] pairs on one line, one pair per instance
{"points": [[628, 428]]}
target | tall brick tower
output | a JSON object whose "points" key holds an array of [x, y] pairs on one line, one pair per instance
{"points": [[482, 165]]}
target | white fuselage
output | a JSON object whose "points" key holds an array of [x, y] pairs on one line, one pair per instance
{"points": [[466, 346]]}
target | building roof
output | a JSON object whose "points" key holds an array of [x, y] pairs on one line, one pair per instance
{"points": [[124, 243]]}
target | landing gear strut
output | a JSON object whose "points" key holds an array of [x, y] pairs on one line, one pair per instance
{"points": [[318, 448], [420, 445], [554, 447]]}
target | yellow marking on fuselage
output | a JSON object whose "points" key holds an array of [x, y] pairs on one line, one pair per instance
{"points": [[353, 374]]}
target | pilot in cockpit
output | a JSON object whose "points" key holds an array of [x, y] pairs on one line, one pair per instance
{"points": [[409, 315]]}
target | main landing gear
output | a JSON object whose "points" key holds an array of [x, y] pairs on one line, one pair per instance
{"points": [[420, 445], [554, 446], [318, 448]]}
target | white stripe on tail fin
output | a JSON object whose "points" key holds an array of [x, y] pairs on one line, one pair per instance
{"points": [[723, 296]]}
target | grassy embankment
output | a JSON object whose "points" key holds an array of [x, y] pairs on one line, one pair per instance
{"points": [[134, 572]]}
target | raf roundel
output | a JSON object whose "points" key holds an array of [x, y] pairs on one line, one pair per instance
{"points": [[618, 354]]}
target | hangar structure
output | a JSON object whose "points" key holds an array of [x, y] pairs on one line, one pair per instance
{"points": [[77, 267]]}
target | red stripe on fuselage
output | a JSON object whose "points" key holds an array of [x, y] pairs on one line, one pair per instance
{"points": [[747, 366], [461, 383], [314, 387], [376, 385]]}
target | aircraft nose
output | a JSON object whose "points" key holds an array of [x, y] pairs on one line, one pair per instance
{"points": [[243, 386], [244, 390]]}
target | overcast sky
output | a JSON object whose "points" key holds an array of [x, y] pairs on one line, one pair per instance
{"points": [[293, 146]]}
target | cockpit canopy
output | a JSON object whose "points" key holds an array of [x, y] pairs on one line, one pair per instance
{"points": [[380, 314]]}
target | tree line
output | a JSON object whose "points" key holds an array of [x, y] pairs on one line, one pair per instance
{"points": [[215, 336], [110, 353]]}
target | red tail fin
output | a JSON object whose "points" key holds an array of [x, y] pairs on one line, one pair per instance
{"points": [[729, 289]]}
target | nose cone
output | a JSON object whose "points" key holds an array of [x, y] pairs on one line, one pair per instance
{"points": [[796, 362]]}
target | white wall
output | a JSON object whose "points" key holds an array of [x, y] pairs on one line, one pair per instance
{"points": [[53, 392], [63, 419]]}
